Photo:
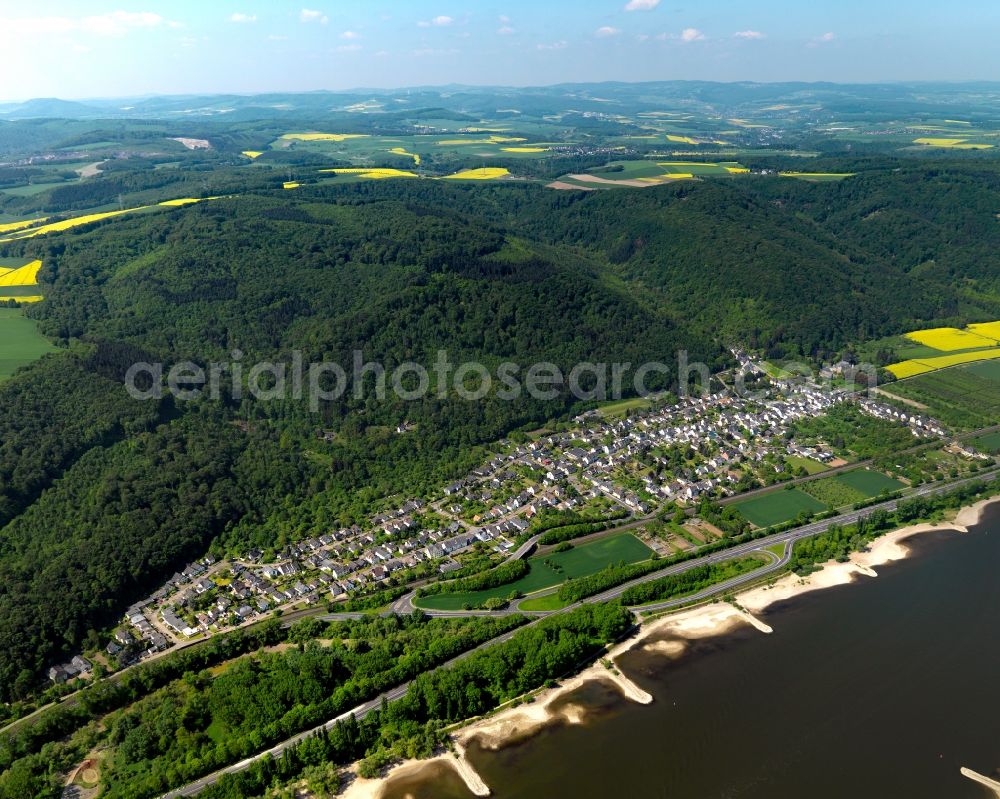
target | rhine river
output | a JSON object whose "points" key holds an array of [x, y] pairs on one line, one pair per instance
{"points": [[881, 688]]}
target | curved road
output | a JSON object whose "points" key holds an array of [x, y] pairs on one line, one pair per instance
{"points": [[788, 538]]}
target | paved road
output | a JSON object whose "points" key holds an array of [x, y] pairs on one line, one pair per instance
{"points": [[359, 713], [788, 538], [525, 548]]}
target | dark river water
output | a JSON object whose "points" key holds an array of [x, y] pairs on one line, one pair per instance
{"points": [[882, 688]]}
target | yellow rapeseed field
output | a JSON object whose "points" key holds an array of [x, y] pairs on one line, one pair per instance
{"points": [[29, 298], [524, 149], [912, 368], [402, 151], [484, 173], [324, 136], [251, 154], [817, 174], [987, 329], [681, 139], [11, 226], [666, 176], [737, 170], [180, 201], [290, 184], [490, 140], [26, 275], [66, 224], [949, 339], [954, 144], [77, 221], [372, 173]]}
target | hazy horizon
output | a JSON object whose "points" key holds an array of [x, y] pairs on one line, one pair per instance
{"points": [[52, 49], [485, 86]]}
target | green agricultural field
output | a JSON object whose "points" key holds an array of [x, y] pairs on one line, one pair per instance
{"points": [[622, 407], [869, 483], [653, 172], [20, 341], [810, 466], [548, 571], [966, 397], [989, 443], [493, 142], [778, 506], [850, 487], [833, 493], [543, 603], [31, 189]]}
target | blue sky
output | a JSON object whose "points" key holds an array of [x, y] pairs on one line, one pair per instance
{"points": [[78, 49]]}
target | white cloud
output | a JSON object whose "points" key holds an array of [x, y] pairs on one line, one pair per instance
{"points": [[641, 5], [442, 21], [560, 45], [350, 35], [748, 35], [504, 19], [829, 36], [691, 35], [606, 31], [238, 17], [505, 30], [434, 51], [311, 15], [114, 23]]}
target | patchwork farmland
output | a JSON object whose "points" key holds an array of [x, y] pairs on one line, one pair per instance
{"points": [[547, 571], [942, 347], [778, 507], [967, 397], [851, 487]]}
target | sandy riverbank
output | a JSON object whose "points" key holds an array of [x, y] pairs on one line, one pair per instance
{"points": [[668, 635], [987, 782], [361, 788], [886, 549]]}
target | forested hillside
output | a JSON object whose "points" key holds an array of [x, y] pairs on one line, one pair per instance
{"points": [[103, 496]]}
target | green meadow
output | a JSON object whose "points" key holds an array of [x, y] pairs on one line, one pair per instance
{"points": [[20, 341], [547, 571]]}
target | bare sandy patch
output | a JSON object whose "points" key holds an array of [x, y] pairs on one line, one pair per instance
{"points": [[90, 170], [558, 184], [361, 788], [193, 144], [639, 184]]}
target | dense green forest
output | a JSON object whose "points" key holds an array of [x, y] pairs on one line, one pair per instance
{"points": [[399, 270], [192, 719]]}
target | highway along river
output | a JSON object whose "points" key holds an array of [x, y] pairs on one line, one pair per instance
{"points": [[882, 688]]}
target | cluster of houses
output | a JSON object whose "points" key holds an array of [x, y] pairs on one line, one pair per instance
{"points": [[733, 437], [77, 668], [730, 434], [729, 437], [920, 425]]}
